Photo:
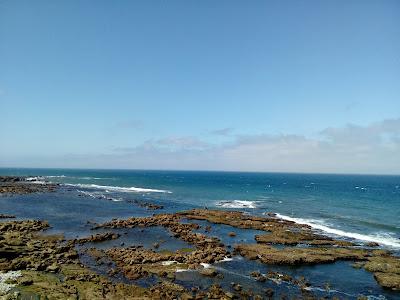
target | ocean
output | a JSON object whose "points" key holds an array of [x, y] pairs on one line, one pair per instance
{"points": [[362, 208]]}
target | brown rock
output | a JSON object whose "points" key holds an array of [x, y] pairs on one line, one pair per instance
{"points": [[210, 272]]}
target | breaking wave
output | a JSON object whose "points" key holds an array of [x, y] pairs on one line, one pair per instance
{"points": [[118, 188], [382, 239], [100, 196], [36, 179], [237, 204], [84, 178]]}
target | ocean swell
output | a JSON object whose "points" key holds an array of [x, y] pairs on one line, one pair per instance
{"points": [[378, 238]]}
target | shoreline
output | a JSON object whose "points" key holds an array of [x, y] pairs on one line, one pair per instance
{"points": [[279, 242], [389, 242]]}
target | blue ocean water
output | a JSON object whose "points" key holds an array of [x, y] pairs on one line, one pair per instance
{"points": [[365, 207]]}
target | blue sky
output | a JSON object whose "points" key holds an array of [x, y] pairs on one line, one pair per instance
{"points": [[305, 86]]}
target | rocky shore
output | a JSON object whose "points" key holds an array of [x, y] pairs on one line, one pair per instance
{"points": [[10, 185], [317, 249], [36, 265], [48, 267]]}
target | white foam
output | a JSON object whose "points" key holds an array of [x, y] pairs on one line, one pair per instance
{"points": [[181, 270], [85, 177], [237, 204], [360, 188], [5, 278], [169, 262], [118, 188], [205, 265], [99, 195], [36, 178], [383, 239], [226, 259]]}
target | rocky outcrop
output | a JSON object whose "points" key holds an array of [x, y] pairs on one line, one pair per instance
{"points": [[208, 249], [22, 249], [50, 268], [5, 216], [279, 231], [385, 267], [147, 205], [10, 178], [278, 277], [97, 238], [298, 256], [136, 262], [289, 237], [18, 185], [386, 270]]}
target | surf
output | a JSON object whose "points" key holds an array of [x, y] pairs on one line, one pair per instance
{"points": [[382, 239]]}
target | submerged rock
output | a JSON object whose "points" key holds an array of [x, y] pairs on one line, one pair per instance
{"points": [[100, 237], [210, 272]]}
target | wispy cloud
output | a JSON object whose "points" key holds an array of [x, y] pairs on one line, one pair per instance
{"points": [[350, 149], [169, 144]]}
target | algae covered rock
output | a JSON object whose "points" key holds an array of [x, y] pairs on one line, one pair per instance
{"points": [[297, 256], [210, 272]]}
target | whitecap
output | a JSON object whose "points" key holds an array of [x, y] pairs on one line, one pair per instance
{"points": [[36, 178], [237, 204], [99, 195], [118, 188], [383, 239]]}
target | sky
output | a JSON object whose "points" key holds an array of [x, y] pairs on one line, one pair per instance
{"points": [[276, 86]]}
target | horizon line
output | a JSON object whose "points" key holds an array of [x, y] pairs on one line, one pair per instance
{"points": [[193, 170]]}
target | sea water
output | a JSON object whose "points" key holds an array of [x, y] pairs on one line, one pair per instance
{"points": [[361, 208]]}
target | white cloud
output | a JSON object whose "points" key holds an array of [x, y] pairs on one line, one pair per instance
{"points": [[351, 149]]}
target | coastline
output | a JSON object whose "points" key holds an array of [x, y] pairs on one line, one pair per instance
{"points": [[278, 242]]}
